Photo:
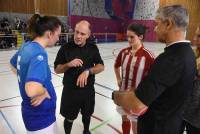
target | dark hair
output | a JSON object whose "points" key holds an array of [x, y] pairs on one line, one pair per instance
{"points": [[38, 25], [138, 29]]}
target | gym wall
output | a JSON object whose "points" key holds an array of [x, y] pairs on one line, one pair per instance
{"points": [[106, 16], [47, 7], [113, 16]]}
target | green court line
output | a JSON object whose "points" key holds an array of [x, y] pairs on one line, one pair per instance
{"points": [[100, 125]]}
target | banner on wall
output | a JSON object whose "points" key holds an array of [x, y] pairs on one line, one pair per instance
{"points": [[120, 9]]}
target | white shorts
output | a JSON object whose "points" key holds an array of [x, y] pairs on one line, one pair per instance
{"points": [[52, 129], [121, 111], [132, 118]]}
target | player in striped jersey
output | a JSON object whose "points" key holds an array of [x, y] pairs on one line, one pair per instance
{"points": [[131, 66]]}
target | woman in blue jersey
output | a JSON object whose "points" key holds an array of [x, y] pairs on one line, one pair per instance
{"points": [[30, 63]]}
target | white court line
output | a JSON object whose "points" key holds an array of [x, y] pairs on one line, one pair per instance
{"points": [[5, 119]]}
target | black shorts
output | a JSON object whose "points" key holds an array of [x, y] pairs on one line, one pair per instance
{"points": [[75, 101]]}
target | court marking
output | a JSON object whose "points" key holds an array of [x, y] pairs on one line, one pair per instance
{"points": [[105, 87], [7, 106], [111, 89], [9, 98], [108, 88], [103, 95], [6, 120], [92, 129], [115, 129], [100, 125], [1, 72]]}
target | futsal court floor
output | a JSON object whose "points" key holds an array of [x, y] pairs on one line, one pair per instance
{"points": [[105, 119]]}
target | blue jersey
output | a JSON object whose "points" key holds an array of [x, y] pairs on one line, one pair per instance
{"points": [[31, 62]]}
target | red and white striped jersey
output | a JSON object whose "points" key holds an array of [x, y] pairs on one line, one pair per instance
{"points": [[133, 67]]}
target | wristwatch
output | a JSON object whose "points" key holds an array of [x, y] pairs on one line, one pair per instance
{"points": [[89, 71]]}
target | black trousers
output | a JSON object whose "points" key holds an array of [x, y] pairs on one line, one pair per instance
{"points": [[191, 129], [149, 124]]}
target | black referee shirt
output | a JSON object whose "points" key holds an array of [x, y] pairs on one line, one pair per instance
{"points": [[90, 56]]}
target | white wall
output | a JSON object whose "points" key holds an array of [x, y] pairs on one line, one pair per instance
{"points": [[145, 9], [88, 8]]}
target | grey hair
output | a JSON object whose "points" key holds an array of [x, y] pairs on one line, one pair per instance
{"points": [[177, 13]]}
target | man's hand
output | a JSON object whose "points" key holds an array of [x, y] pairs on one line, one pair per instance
{"points": [[129, 101], [61, 68], [75, 63], [36, 101], [82, 79], [119, 97]]}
